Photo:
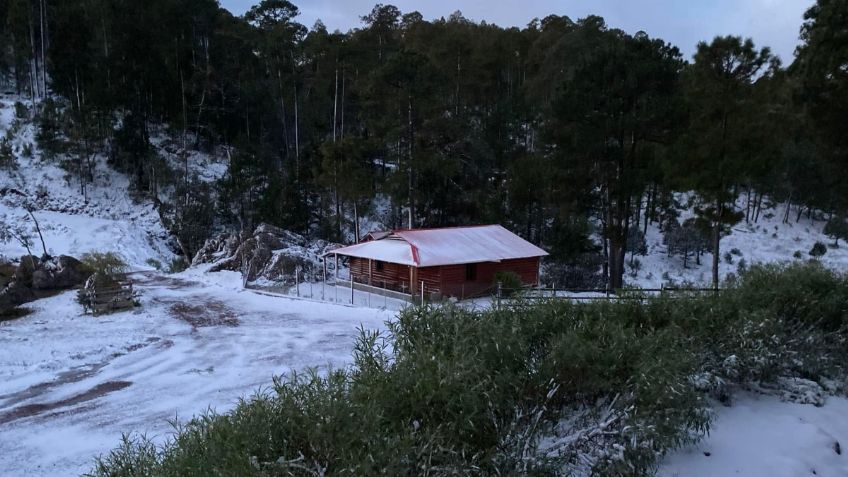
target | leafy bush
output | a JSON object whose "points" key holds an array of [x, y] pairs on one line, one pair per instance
{"points": [[49, 134], [108, 263], [154, 263], [818, 250], [837, 228], [7, 157], [21, 110], [516, 391], [509, 281], [177, 265]]}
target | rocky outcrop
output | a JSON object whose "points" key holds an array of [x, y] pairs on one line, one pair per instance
{"points": [[268, 254], [34, 277]]}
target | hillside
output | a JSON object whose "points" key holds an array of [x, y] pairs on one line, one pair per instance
{"points": [[202, 329], [767, 241], [109, 220]]}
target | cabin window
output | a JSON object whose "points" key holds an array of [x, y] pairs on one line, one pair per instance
{"points": [[378, 265], [470, 272]]}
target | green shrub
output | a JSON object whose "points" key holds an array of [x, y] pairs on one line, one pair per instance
{"points": [[7, 157], [154, 263], [21, 110], [510, 282], [449, 391], [177, 265], [818, 250], [108, 263]]}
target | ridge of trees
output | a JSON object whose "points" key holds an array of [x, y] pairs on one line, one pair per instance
{"points": [[563, 130]]}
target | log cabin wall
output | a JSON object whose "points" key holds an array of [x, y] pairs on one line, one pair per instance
{"points": [[449, 280], [383, 274], [459, 281]]}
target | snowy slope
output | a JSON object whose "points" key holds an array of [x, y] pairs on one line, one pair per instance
{"points": [[108, 221], [768, 241]]}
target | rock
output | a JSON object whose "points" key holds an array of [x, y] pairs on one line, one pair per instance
{"points": [[59, 273], [7, 271], [33, 275], [268, 254], [15, 293], [27, 266]]}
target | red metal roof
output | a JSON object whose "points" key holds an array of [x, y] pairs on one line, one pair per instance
{"points": [[445, 246]]}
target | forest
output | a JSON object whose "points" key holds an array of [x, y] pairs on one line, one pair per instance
{"points": [[573, 133]]}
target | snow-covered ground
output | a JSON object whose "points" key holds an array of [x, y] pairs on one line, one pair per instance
{"points": [[109, 220], [768, 241], [761, 436], [72, 383]]}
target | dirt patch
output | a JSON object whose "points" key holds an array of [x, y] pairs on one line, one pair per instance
{"points": [[30, 410], [211, 313], [158, 280], [72, 375]]}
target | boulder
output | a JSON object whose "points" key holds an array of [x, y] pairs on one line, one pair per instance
{"points": [[33, 275], [269, 253], [7, 271], [59, 273], [27, 266]]}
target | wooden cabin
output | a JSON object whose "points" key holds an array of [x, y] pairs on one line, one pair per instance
{"points": [[456, 262]]}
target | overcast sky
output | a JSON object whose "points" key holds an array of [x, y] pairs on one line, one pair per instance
{"points": [[773, 23]]}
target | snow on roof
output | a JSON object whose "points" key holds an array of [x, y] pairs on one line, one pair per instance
{"points": [[386, 250], [445, 246]]}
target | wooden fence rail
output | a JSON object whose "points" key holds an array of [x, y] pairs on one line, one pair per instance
{"points": [[579, 294], [104, 300]]}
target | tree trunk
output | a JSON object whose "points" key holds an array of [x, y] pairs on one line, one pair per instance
{"points": [[335, 104], [717, 245], [38, 229], [410, 172]]}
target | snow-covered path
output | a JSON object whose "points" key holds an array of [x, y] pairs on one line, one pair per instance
{"points": [[70, 384], [760, 436]]}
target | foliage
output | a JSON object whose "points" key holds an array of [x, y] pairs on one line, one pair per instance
{"points": [[7, 157], [837, 227], [178, 265], [565, 130], [507, 391], [818, 250], [109, 264], [508, 281], [154, 263], [684, 240], [49, 134], [21, 111]]}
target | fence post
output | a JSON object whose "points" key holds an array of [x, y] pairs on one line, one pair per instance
{"points": [[422, 292], [351, 288], [296, 281], [498, 306]]}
